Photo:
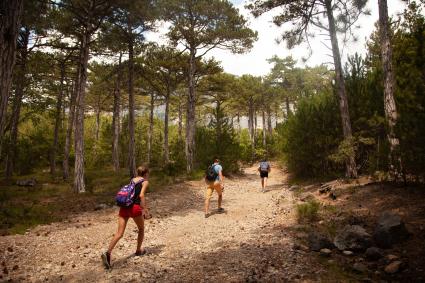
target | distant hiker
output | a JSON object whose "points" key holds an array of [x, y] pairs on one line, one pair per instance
{"points": [[264, 170], [131, 199], [214, 180]]}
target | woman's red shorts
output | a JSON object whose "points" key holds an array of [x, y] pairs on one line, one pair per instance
{"points": [[133, 211]]}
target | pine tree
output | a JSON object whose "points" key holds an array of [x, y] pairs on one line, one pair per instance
{"points": [[200, 26]]}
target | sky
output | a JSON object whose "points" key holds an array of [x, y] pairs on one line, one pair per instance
{"points": [[254, 62]]}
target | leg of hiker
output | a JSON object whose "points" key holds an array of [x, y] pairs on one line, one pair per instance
{"points": [[218, 188], [264, 183], [106, 256], [122, 223], [140, 222], [208, 195]]}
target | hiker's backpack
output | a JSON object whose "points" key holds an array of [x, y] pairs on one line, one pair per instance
{"points": [[264, 166], [210, 174], [125, 196]]}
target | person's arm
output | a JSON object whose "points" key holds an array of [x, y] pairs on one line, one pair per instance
{"points": [[142, 197], [221, 177]]}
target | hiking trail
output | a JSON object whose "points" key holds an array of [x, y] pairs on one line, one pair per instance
{"points": [[251, 241]]}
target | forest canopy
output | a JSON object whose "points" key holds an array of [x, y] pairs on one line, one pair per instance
{"points": [[82, 88]]}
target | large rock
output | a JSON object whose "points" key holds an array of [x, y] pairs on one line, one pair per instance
{"points": [[390, 230], [373, 253], [27, 182], [393, 267], [359, 267], [317, 241], [353, 237]]}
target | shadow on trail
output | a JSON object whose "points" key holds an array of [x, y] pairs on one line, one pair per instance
{"points": [[268, 258]]}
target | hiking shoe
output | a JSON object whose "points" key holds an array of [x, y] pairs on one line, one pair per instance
{"points": [[220, 210], [106, 259], [140, 253], [207, 215]]}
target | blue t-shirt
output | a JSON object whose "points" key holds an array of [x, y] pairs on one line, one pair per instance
{"points": [[217, 169]]}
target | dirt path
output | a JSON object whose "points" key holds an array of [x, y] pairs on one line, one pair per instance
{"points": [[249, 242]]}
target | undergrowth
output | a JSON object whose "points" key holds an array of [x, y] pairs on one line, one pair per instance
{"points": [[309, 211]]}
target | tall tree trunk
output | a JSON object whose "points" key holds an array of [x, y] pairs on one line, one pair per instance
{"points": [[391, 115], [351, 169], [264, 130], [218, 125], [251, 127], [10, 21], [150, 132], [58, 119], [276, 114], [250, 123], [180, 126], [71, 122], [131, 140], [288, 107], [269, 122], [98, 111], [17, 103], [191, 114], [255, 123], [238, 119], [116, 118], [79, 182], [166, 148]]}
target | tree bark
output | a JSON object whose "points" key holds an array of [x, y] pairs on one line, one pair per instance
{"points": [[250, 123], [167, 109], [116, 118], [251, 127], [269, 122], [17, 103], [58, 111], [98, 111], [238, 119], [10, 21], [288, 107], [71, 123], [191, 114], [218, 125], [150, 132], [79, 182], [351, 169], [131, 122], [180, 126], [255, 123], [264, 130], [391, 115]]}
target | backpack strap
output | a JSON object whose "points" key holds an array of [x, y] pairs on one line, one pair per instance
{"points": [[135, 183]]}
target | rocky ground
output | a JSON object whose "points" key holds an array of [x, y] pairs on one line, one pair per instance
{"points": [[257, 239], [249, 242]]}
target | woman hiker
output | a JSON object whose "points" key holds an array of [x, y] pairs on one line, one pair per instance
{"points": [[138, 211]]}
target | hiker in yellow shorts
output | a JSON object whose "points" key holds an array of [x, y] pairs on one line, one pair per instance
{"points": [[214, 180]]}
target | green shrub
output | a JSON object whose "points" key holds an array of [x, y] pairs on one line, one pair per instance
{"points": [[307, 212]]}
